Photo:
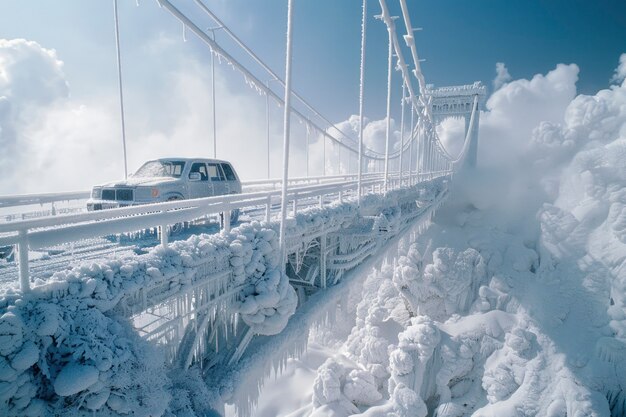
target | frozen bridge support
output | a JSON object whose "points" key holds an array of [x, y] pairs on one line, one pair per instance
{"points": [[457, 101], [203, 301], [238, 293]]}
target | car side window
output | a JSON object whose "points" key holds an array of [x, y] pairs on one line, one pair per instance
{"points": [[228, 171], [215, 172], [200, 167]]}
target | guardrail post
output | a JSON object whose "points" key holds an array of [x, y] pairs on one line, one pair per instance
{"points": [[341, 196], [53, 209], [164, 235], [227, 221], [268, 209], [295, 205], [22, 251], [321, 198]]}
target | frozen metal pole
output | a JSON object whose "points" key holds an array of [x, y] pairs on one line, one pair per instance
{"points": [[286, 128], [22, 254], [411, 148], [420, 149], [362, 80], [213, 96], [402, 129], [119, 77], [213, 103], [324, 144], [307, 149], [388, 129], [267, 123]]}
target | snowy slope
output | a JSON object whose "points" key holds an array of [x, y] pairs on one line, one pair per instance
{"points": [[512, 303]]}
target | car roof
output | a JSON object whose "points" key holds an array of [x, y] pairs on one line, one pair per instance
{"points": [[193, 159]]}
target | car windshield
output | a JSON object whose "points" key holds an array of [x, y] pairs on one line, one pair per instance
{"points": [[161, 169]]}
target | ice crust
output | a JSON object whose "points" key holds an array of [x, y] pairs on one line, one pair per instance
{"points": [[67, 347], [501, 313]]}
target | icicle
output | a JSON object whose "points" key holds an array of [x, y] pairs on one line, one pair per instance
{"points": [[184, 33]]}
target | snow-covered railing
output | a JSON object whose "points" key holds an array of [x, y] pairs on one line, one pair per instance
{"points": [[452, 91], [202, 300], [275, 182], [54, 230], [52, 198], [26, 199]]}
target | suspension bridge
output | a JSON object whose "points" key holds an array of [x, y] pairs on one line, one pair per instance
{"points": [[225, 295]]}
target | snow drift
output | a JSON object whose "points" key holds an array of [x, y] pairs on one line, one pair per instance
{"points": [[513, 302]]}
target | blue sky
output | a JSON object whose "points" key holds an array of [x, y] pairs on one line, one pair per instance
{"points": [[167, 94], [461, 40]]}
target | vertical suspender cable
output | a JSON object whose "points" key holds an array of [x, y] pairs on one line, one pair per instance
{"points": [[402, 130], [420, 149], [388, 129], [213, 99], [361, 86], [119, 77], [267, 124], [307, 148], [286, 128], [411, 148], [324, 143], [340, 171]]}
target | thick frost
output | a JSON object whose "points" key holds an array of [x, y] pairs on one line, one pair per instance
{"points": [[513, 307]]}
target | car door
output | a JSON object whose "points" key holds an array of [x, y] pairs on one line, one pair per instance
{"points": [[231, 178], [203, 187], [218, 180]]}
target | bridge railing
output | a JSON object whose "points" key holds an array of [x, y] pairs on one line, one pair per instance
{"points": [[54, 200], [54, 230]]}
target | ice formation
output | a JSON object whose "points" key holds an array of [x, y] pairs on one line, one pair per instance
{"points": [[68, 346], [68, 340], [499, 312]]}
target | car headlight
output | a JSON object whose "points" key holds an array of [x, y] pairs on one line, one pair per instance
{"points": [[154, 192], [96, 193]]}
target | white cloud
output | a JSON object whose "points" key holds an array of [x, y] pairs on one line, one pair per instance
{"points": [[516, 109], [30, 74], [30, 77], [502, 76], [620, 71], [374, 137], [509, 179], [52, 142]]}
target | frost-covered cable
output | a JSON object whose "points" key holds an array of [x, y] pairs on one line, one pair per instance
{"points": [[411, 150], [402, 129], [361, 86], [267, 125], [307, 149], [410, 41], [470, 127], [213, 98], [259, 61], [251, 78], [324, 145], [286, 128], [420, 148], [119, 77], [388, 121], [423, 104]]}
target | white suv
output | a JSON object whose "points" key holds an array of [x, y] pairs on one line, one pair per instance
{"points": [[168, 179]]}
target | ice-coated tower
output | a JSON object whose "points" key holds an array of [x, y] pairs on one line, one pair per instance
{"points": [[456, 101]]}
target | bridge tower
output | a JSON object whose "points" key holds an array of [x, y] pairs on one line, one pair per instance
{"points": [[456, 101]]}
